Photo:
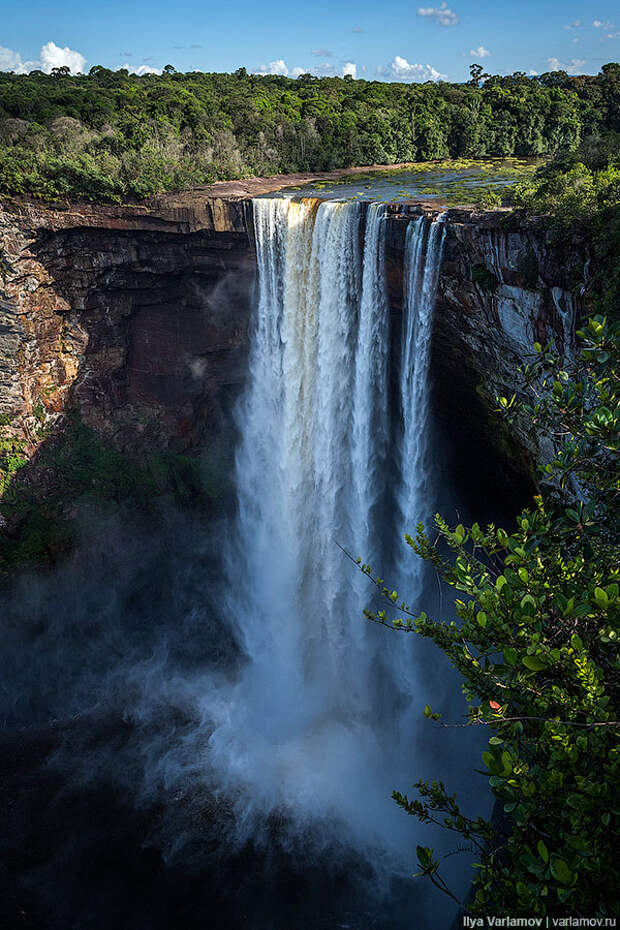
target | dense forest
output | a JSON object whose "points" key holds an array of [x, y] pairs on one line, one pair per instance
{"points": [[110, 135]]}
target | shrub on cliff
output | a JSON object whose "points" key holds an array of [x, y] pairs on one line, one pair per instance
{"points": [[537, 647]]}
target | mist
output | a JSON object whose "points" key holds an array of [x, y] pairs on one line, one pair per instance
{"points": [[207, 691]]}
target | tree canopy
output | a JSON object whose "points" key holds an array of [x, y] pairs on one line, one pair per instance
{"points": [[111, 135]]}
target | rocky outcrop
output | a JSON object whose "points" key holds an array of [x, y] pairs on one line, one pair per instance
{"points": [[504, 284], [135, 317]]}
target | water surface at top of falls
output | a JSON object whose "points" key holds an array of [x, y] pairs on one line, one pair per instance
{"points": [[449, 183]]}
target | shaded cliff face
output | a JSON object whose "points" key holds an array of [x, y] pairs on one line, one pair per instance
{"points": [[137, 321], [503, 285]]}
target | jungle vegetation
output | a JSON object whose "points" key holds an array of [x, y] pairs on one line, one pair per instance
{"points": [[110, 135]]}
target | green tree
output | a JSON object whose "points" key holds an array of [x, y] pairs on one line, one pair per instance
{"points": [[537, 647]]}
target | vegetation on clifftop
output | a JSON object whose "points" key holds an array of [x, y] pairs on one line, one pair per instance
{"points": [[113, 136], [580, 192]]}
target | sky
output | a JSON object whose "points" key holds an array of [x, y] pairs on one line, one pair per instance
{"points": [[387, 40]]}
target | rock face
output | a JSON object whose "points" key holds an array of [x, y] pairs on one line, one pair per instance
{"points": [[137, 317], [503, 285]]}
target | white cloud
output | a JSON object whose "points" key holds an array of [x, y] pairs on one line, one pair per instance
{"points": [[322, 53], [349, 68], [574, 66], [357, 29], [401, 70], [10, 60], [611, 31], [480, 52], [50, 56], [140, 69], [321, 70], [532, 73], [274, 67], [574, 25], [441, 14]]}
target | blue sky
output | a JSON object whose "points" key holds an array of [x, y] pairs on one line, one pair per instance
{"points": [[389, 40]]}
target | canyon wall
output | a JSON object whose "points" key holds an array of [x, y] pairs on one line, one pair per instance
{"points": [[137, 318]]}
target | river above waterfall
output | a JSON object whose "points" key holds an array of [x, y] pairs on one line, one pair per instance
{"points": [[450, 183]]}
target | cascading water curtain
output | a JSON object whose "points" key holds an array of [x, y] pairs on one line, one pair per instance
{"points": [[423, 253], [314, 710]]}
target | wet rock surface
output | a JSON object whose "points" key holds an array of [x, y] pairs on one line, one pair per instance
{"points": [[504, 284]]}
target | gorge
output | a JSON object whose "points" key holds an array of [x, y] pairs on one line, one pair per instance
{"points": [[346, 356]]}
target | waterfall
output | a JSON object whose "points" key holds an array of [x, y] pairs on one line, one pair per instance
{"points": [[318, 723], [423, 251]]}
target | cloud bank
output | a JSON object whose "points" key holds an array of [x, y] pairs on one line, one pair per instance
{"points": [[50, 56], [323, 69], [574, 66], [140, 69]]}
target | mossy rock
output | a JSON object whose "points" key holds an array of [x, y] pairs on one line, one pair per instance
{"points": [[484, 277], [77, 471]]}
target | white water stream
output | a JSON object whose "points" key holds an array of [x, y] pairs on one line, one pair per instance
{"points": [[320, 724]]}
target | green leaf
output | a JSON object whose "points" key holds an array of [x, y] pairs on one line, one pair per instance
{"points": [[425, 856], [561, 870], [510, 655], [577, 842], [542, 851], [600, 596], [534, 663], [576, 642]]}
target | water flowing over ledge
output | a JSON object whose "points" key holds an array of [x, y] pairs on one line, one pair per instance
{"points": [[323, 703]]}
